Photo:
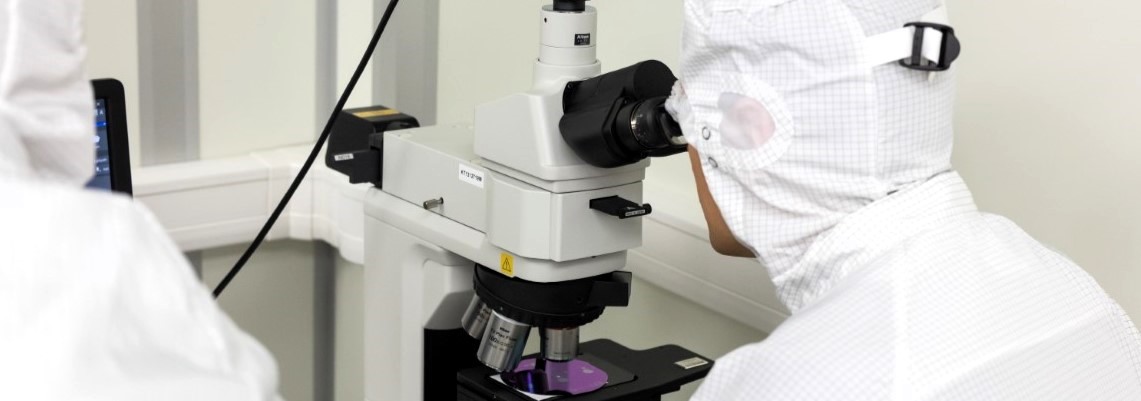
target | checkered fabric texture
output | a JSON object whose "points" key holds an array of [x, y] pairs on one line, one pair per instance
{"points": [[837, 174]]}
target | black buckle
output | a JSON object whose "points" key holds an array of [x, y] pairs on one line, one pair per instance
{"points": [[947, 54]]}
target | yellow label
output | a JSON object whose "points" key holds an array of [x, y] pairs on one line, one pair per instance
{"points": [[376, 113], [507, 264]]}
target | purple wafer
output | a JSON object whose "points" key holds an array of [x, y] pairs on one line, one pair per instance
{"points": [[575, 377]]}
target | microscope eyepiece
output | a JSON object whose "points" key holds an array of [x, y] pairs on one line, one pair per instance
{"points": [[620, 118], [651, 126]]}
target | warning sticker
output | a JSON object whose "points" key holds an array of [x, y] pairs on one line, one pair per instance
{"points": [[507, 264]]}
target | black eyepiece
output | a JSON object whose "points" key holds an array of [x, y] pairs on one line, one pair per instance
{"points": [[650, 126], [620, 118]]}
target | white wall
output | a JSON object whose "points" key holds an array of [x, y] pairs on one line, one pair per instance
{"points": [[356, 20], [258, 83], [258, 64], [1049, 129], [113, 52], [349, 337], [487, 52]]}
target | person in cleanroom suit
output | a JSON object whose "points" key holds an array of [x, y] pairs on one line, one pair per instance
{"points": [[96, 303], [831, 164]]}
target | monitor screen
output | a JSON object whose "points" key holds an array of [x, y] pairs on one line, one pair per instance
{"points": [[102, 178], [112, 154]]}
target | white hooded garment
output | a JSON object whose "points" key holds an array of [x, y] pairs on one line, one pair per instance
{"points": [[836, 172], [96, 302]]}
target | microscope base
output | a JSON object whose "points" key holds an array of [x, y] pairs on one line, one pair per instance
{"points": [[655, 372]]}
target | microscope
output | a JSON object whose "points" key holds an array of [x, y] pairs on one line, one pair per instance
{"points": [[478, 236]]}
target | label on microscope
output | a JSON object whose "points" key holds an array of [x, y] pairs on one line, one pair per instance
{"points": [[471, 176], [507, 264]]}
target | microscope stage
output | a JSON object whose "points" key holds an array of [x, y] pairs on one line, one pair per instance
{"points": [[612, 375], [634, 375]]}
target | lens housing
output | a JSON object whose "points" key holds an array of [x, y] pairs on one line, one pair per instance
{"points": [[619, 118], [559, 345], [503, 342], [558, 309], [475, 318], [650, 127]]}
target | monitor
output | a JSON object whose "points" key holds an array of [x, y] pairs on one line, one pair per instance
{"points": [[112, 154]]}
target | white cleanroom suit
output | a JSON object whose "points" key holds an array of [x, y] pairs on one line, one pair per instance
{"points": [[833, 166], [96, 302]]}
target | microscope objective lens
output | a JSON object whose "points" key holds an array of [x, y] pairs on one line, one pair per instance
{"points": [[559, 344], [503, 342], [475, 319]]}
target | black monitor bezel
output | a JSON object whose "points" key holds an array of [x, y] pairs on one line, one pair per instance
{"points": [[112, 93]]}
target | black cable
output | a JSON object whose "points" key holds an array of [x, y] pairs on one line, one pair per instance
{"points": [[312, 155]]}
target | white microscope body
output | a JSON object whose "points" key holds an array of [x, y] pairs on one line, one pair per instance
{"points": [[508, 194]]}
